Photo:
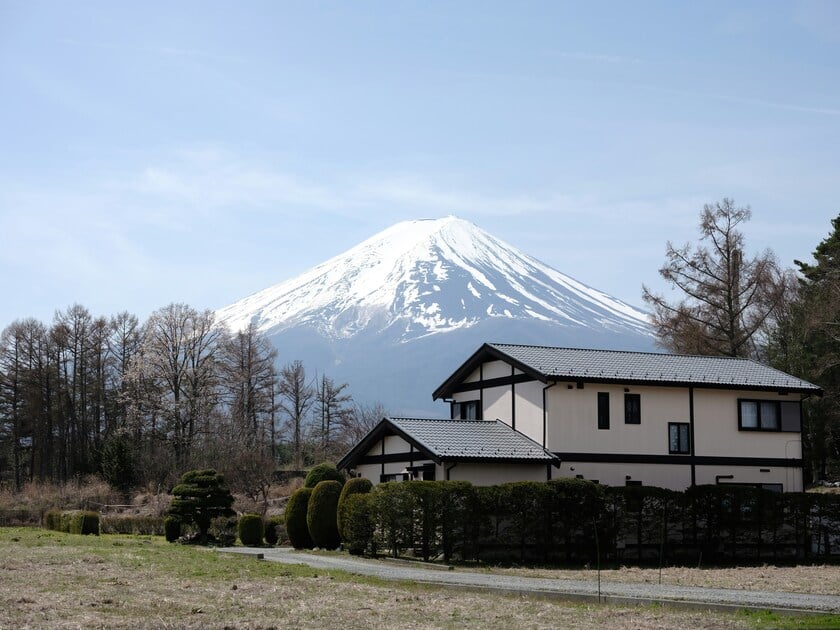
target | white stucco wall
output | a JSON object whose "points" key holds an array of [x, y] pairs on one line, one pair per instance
{"points": [[529, 413], [673, 477], [716, 427], [492, 474], [573, 419], [790, 478]]}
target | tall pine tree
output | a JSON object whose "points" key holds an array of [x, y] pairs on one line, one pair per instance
{"points": [[807, 343]]}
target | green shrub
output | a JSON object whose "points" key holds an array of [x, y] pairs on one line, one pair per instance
{"points": [[321, 514], [171, 528], [393, 512], [64, 526], [296, 527], [223, 531], [356, 485], [323, 472], [275, 530], [132, 524], [358, 523], [52, 520], [250, 530], [84, 522]]}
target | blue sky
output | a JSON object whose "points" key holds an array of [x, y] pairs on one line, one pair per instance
{"points": [[198, 151]]}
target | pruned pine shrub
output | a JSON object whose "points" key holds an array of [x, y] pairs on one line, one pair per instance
{"points": [[275, 530], [323, 472], [296, 527], [321, 514], [356, 485], [250, 530], [171, 528], [358, 523], [201, 497]]}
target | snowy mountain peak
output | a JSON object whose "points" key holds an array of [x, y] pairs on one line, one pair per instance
{"points": [[423, 277]]}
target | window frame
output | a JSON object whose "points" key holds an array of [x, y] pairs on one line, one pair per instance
{"points": [[631, 415], [676, 426], [603, 413], [758, 402], [458, 410]]}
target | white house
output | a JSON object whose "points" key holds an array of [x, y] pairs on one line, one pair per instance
{"points": [[612, 416]]}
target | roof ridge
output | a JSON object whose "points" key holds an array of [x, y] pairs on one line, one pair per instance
{"points": [[611, 351], [441, 419]]}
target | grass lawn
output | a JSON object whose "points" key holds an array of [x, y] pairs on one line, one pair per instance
{"points": [[50, 579]]}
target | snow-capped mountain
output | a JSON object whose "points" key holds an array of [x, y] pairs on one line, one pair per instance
{"points": [[409, 304], [429, 276]]}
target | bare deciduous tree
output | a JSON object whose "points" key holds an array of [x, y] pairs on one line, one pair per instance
{"points": [[295, 400], [729, 300]]}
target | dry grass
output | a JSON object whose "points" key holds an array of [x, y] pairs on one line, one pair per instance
{"points": [[58, 580], [815, 579]]}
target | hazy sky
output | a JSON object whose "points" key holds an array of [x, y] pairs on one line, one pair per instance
{"points": [[197, 151]]}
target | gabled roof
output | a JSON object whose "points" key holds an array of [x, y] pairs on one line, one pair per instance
{"points": [[455, 441], [546, 364]]}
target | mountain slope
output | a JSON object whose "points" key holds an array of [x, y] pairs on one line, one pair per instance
{"points": [[396, 314]]}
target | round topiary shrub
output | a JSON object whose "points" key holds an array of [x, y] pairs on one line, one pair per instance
{"points": [[274, 529], [171, 528], [321, 514], [323, 472], [250, 530], [296, 527], [356, 485]]}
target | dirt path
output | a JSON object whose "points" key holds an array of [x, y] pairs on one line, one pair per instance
{"points": [[613, 592]]}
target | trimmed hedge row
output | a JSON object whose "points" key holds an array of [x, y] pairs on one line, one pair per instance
{"points": [[576, 521], [132, 524], [73, 522]]}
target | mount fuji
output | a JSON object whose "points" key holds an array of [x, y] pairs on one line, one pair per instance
{"points": [[395, 315]]}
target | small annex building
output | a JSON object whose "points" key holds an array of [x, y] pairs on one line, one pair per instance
{"points": [[482, 452]]}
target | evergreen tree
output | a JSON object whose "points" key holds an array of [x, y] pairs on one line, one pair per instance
{"points": [[807, 343]]}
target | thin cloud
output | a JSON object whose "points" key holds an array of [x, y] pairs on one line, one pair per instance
{"points": [[171, 51], [599, 58]]}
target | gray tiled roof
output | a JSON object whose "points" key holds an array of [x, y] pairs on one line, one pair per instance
{"points": [[471, 439], [652, 367]]}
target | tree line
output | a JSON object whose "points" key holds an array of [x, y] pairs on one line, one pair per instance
{"points": [[733, 304], [139, 403]]}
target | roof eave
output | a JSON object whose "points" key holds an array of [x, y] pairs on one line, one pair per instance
{"points": [[487, 350]]}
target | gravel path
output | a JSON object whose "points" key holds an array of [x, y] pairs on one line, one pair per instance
{"points": [[615, 592]]}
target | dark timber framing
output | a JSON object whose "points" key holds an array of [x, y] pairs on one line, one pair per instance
{"points": [[686, 460]]}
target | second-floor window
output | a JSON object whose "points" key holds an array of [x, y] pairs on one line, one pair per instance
{"points": [[603, 410], [466, 410], [678, 438], [758, 415], [632, 409]]}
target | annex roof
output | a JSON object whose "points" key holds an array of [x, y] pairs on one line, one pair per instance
{"points": [[546, 364], [455, 440]]}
